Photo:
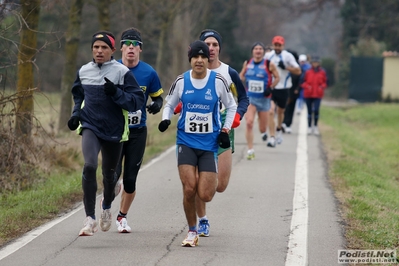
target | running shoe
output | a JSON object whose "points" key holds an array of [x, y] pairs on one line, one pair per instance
{"points": [[316, 131], [191, 239], [279, 137], [203, 226], [122, 225], [283, 127], [271, 142], [89, 227], [264, 136], [105, 218], [288, 130], [250, 154], [310, 130]]}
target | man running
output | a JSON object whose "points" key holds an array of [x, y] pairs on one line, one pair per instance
{"points": [[133, 149], [214, 41], [260, 76], [286, 64], [199, 130]]}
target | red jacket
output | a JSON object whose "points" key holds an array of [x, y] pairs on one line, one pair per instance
{"points": [[314, 83]]}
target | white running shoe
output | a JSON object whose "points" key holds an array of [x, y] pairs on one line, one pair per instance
{"points": [[279, 136], [191, 239], [122, 225], [271, 142], [89, 228], [316, 131], [105, 219], [310, 131], [250, 154]]}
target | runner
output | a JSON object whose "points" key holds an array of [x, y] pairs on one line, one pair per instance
{"points": [[314, 84], [304, 64], [103, 92], [214, 41], [133, 149], [199, 130], [286, 65], [258, 74]]}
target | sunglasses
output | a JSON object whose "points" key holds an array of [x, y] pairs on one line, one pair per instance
{"points": [[129, 42]]}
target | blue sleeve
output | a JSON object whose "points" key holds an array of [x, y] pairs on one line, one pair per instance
{"points": [[155, 87], [131, 96], [239, 92], [78, 95]]}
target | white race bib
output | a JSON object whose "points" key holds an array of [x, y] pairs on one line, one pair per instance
{"points": [[198, 123], [134, 118], [255, 86]]}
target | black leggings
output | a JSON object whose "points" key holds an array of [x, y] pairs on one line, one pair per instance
{"points": [[133, 152], [110, 152]]}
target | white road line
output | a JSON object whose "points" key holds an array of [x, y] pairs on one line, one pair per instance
{"points": [[31, 235], [297, 254]]}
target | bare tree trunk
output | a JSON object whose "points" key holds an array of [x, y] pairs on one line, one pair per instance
{"points": [[104, 14], [71, 50], [26, 57]]}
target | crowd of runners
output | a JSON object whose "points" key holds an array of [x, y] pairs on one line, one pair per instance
{"points": [[210, 100]]}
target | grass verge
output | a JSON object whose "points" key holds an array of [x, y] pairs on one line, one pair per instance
{"points": [[362, 146]]}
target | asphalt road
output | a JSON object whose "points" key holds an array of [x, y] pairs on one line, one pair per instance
{"points": [[278, 209]]}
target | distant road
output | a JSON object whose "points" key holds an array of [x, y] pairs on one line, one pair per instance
{"points": [[277, 210]]}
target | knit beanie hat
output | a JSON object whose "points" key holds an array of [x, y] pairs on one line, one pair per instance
{"points": [[198, 48], [104, 36], [211, 33]]}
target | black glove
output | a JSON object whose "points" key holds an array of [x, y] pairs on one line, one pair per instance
{"points": [[109, 87], [224, 140], [267, 92], [281, 64], [163, 125], [73, 123], [153, 108]]}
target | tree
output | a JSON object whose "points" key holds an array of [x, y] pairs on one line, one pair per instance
{"points": [[71, 50], [26, 59]]}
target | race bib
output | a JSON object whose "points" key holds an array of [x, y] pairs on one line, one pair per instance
{"points": [[255, 86], [134, 118], [198, 123]]}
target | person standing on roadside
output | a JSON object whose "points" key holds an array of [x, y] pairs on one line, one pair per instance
{"points": [[103, 92], [260, 76], [286, 65], [199, 130], [314, 83], [133, 149]]}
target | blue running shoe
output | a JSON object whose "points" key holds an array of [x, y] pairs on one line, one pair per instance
{"points": [[203, 228]]}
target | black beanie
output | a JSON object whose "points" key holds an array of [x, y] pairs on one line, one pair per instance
{"points": [[198, 48], [104, 36], [131, 34], [211, 33]]}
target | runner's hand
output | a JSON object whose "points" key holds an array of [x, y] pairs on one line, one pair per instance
{"points": [[153, 108], [237, 121], [163, 125], [109, 87], [267, 92], [224, 140], [73, 123], [281, 64]]}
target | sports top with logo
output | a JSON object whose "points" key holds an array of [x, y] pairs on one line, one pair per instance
{"points": [[149, 82], [199, 123], [288, 60], [258, 78]]}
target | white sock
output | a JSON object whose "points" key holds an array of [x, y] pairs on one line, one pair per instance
{"points": [[203, 218]]}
